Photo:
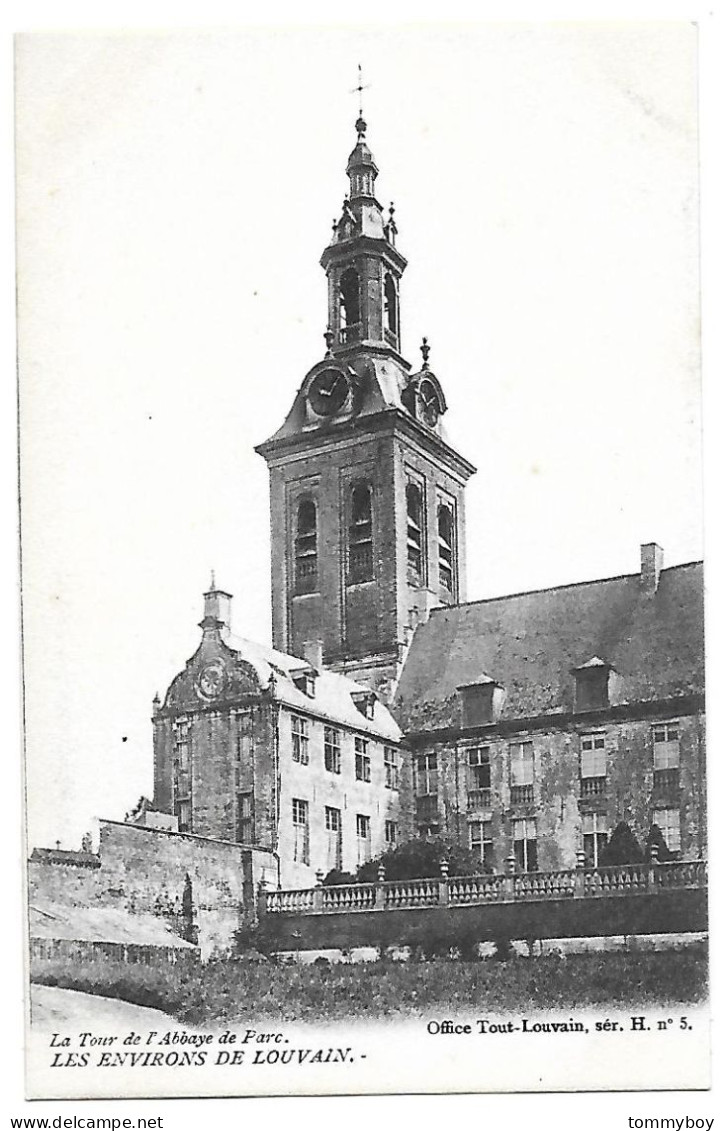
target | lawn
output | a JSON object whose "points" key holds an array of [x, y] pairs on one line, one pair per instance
{"points": [[233, 990]]}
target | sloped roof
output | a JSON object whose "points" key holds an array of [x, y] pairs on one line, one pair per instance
{"points": [[333, 693], [100, 924], [530, 643]]}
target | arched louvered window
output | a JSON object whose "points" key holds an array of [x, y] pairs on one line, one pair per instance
{"points": [[391, 306], [360, 534], [306, 548], [414, 506], [446, 548], [350, 305]]}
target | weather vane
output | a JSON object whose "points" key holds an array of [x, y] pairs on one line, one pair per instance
{"points": [[361, 86]]}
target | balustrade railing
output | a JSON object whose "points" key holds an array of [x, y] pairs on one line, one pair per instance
{"points": [[571, 883]]}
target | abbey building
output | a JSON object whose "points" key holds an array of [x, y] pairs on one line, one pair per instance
{"points": [[525, 727]]}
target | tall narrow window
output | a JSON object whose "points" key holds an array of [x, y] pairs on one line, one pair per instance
{"points": [[391, 834], [668, 822], [245, 818], [666, 744], [593, 765], [332, 750], [522, 772], [480, 840], [333, 828], [524, 837], [595, 832], [446, 549], [182, 773], [479, 778], [301, 831], [300, 740], [360, 549], [362, 760], [390, 761], [350, 306], [414, 506], [306, 548], [391, 307], [362, 825]]}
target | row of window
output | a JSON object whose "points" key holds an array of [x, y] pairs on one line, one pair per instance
{"points": [[333, 831], [592, 766], [595, 834], [360, 559], [332, 753]]}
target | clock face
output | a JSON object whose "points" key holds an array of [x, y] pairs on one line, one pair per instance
{"points": [[428, 404], [328, 392], [212, 679]]}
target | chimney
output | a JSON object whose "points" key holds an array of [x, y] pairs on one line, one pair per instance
{"points": [[312, 652], [652, 558], [217, 608]]}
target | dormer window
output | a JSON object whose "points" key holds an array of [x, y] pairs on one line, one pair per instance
{"points": [[306, 548], [477, 703], [305, 682], [592, 685], [365, 702]]}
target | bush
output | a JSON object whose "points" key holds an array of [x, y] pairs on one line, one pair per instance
{"points": [[420, 859], [656, 840], [621, 848]]}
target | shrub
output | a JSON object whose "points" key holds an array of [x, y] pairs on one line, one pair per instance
{"points": [[421, 858], [621, 848]]}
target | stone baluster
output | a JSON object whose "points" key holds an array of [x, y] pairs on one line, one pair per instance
{"points": [[652, 869], [261, 898], [508, 884], [379, 889], [444, 888]]}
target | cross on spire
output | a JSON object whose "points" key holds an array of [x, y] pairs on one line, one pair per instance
{"points": [[361, 86]]}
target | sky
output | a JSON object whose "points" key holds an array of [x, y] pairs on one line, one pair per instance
{"points": [[175, 192]]}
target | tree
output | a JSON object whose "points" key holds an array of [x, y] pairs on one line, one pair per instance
{"points": [[416, 859], [621, 848]]}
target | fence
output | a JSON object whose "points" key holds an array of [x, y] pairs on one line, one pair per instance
{"points": [[509, 887]]}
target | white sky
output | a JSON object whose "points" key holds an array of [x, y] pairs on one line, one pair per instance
{"points": [[175, 194]]}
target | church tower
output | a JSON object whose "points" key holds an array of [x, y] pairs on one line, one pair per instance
{"points": [[367, 508]]}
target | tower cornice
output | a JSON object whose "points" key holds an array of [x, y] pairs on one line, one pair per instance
{"points": [[353, 248], [393, 421]]}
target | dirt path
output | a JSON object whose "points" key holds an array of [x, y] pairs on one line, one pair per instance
{"points": [[51, 1007]]}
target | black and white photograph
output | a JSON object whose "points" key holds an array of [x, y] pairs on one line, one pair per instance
{"points": [[362, 560]]}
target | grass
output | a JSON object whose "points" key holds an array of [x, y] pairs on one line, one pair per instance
{"points": [[230, 990]]}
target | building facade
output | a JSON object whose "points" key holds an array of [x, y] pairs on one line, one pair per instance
{"points": [[539, 722], [259, 748]]}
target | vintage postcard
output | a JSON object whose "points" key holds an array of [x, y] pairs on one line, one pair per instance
{"points": [[362, 560]]}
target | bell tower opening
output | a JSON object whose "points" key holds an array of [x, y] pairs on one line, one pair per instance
{"points": [[349, 305]]}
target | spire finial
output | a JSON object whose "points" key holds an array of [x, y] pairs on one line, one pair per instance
{"points": [[425, 350], [212, 583], [360, 124]]}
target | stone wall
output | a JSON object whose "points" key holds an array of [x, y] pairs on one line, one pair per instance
{"points": [[144, 870]]}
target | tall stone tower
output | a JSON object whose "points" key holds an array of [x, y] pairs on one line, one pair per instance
{"points": [[367, 506]]}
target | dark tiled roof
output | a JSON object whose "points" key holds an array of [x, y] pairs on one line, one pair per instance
{"points": [[530, 642], [65, 856]]}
